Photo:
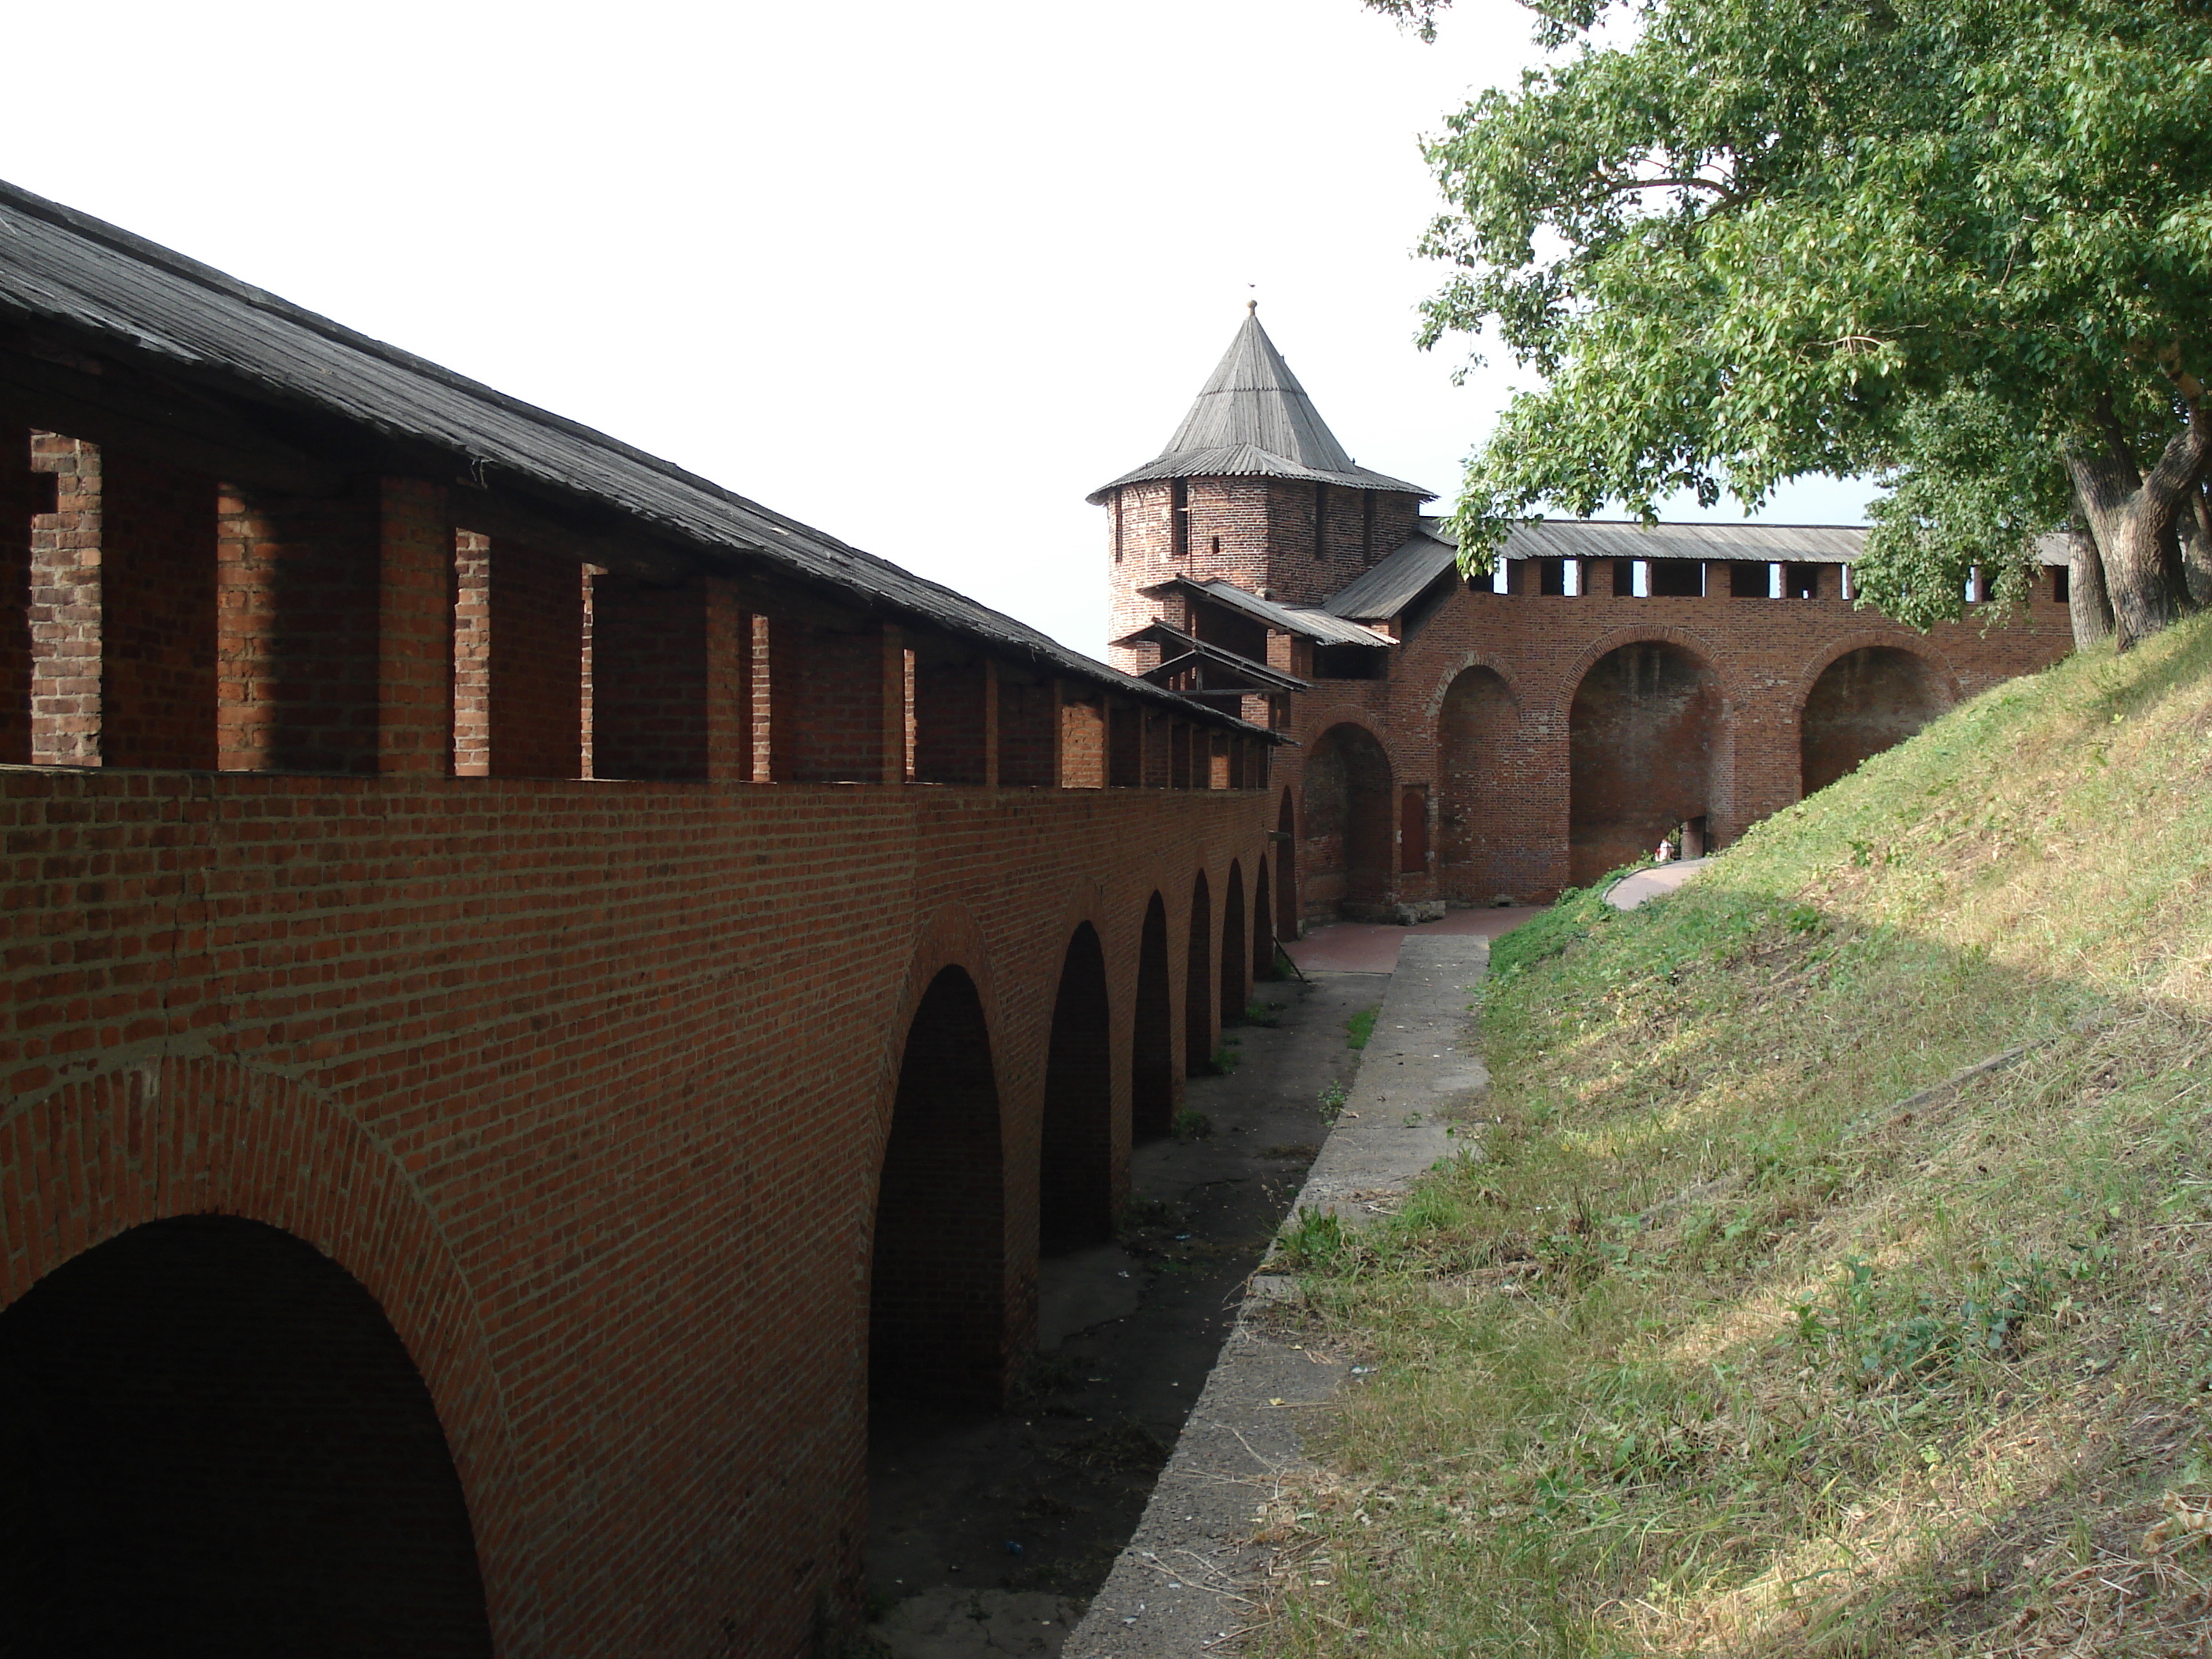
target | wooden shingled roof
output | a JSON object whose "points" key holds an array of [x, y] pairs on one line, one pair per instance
{"points": [[245, 364], [1253, 419]]}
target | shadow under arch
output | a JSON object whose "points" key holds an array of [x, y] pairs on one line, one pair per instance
{"points": [[1286, 869], [1151, 1039], [1075, 1173], [1350, 825], [1263, 923], [1645, 735], [936, 1289], [1235, 948], [1198, 982], [1869, 698], [1478, 859], [212, 1441]]}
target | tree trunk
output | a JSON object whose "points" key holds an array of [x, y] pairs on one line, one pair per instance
{"points": [[2197, 546], [2086, 603], [2133, 519]]}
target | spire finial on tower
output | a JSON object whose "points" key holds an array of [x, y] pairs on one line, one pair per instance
{"points": [[1251, 308]]}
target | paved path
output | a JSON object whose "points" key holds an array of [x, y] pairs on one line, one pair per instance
{"points": [[1186, 1584], [1366, 947], [1631, 892]]}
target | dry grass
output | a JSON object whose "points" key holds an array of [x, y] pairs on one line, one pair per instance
{"points": [[1759, 1329]]}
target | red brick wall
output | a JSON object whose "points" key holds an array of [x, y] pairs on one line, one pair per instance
{"points": [[1256, 533], [587, 1083], [65, 605], [335, 651], [1503, 770]]}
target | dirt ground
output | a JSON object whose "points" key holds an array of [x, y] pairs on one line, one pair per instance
{"points": [[991, 1534]]}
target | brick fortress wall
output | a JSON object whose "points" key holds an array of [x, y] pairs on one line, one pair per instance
{"points": [[1476, 716], [587, 1082]]}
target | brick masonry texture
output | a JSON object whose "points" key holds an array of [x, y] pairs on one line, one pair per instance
{"points": [[588, 1084], [1480, 704], [1506, 752]]}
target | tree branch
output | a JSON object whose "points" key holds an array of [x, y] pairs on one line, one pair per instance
{"points": [[1722, 196]]}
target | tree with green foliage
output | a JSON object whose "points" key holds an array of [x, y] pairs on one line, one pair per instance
{"points": [[1962, 245]]}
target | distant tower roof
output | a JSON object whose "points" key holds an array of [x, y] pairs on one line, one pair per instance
{"points": [[1253, 419]]}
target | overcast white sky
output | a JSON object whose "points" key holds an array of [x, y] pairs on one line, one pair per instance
{"points": [[919, 275]]}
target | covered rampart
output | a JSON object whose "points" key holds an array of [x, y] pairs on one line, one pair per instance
{"points": [[526, 973]]}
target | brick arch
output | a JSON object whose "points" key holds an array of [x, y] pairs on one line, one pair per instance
{"points": [[953, 938], [1482, 753], [182, 1137], [1735, 693], [1432, 706], [1652, 754], [1897, 639], [1878, 711], [943, 1322]]}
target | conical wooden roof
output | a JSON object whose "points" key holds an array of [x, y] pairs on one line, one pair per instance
{"points": [[1253, 419]]}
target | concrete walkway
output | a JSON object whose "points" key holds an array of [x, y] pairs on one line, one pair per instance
{"points": [[1186, 1584], [1364, 947], [1632, 892]]}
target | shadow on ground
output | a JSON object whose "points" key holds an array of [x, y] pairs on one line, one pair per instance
{"points": [[991, 1533]]}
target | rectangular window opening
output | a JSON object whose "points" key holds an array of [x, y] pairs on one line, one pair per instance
{"points": [[1551, 579], [1677, 579], [1801, 582], [1179, 518], [2062, 584]]}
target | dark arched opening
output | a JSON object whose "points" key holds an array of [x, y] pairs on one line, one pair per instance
{"points": [[1075, 1184], [1642, 735], [1235, 949], [1152, 1043], [937, 1290], [1479, 857], [1865, 702], [1263, 926], [1198, 983], [1286, 869], [1349, 823], [212, 1442]]}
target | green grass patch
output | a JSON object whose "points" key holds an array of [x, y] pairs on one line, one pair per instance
{"points": [[1359, 1028], [1742, 1334]]}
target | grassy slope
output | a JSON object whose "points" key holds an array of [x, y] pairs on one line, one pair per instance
{"points": [[1723, 1348]]}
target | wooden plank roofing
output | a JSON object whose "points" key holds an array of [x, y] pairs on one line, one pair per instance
{"points": [[1253, 419], [245, 359]]}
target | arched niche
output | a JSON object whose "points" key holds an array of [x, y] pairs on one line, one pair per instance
{"points": [[937, 1294], [1866, 700], [1349, 811], [1645, 735], [212, 1441], [1480, 852]]}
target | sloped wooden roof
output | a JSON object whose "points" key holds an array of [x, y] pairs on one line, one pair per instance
{"points": [[66, 275]]}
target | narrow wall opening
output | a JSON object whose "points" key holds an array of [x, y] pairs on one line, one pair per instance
{"points": [[1235, 988], [1075, 1187], [1198, 983], [1151, 1045]]}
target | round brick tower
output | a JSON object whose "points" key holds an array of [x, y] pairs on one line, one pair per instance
{"points": [[1253, 489]]}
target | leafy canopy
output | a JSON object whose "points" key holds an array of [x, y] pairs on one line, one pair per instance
{"points": [[1743, 240]]}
